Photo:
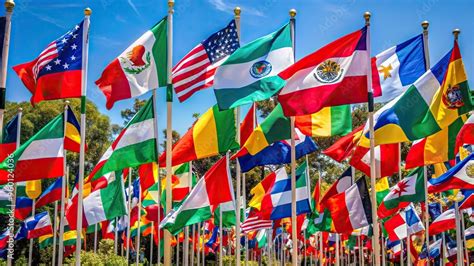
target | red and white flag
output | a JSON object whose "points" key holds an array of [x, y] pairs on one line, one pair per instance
{"points": [[465, 135], [446, 221], [386, 160]]}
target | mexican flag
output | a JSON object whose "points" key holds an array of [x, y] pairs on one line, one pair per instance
{"points": [[250, 73], [213, 190], [134, 146], [42, 156], [410, 189], [139, 69]]}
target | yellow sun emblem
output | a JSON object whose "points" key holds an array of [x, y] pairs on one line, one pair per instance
{"points": [[386, 71]]}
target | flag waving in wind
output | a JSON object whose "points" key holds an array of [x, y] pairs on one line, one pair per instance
{"points": [[57, 72]]}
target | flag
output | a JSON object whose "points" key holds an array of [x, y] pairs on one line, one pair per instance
{"points": [[343, 183], [72, 138], [469, 235], [275, 127], [278, 153], [148, 175], [51, 194], [35, 226], [8, 143], [327, 122], [186, 181], [276, 204], [394, 248], [260, 190], [250, 73], [435, 248], [437, 148], [196, 70], [4, 237], [343, 147], [253, 223], [403, 224], [465, 135], [57, 72], [45, 241], [432, 103], [351, 207], [458, 177], [138, 69], [134, 146], [334, 75], [108, 229], [446, 221], [70, 236], [467, 202], [410, 189], [434, 210], [213, 189], [248, 124], [387, 157], [261, 238], [396, 68], [42, 156], [381, 189], [23, 207], [213, 133]]}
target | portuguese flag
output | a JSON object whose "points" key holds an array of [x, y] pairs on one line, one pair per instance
{"points": [[139, 69], [213, 133], [134, 146]]}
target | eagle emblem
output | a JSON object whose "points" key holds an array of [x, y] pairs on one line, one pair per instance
{"points": [[328, 72], [260, 69], [452, 98], [134, 61]]}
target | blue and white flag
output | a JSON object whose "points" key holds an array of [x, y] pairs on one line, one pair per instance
{"points": [[435, 249], [396, 68]]}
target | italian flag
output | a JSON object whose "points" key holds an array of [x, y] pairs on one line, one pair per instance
{"points": [[134, 146], [250, 73], [140, 68], [213, 190], [42, 156], [213, 133]]}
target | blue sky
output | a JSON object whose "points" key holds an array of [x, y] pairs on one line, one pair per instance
{"points": [[115, 24]]}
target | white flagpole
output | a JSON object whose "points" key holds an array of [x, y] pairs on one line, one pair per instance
{"points": [[193, 241], [294, 237], [82, 150], [337, 250], [9, 5], [130, 189], [375, 223], [55, 228], [408, 250], [221, 257], [13, 199], [151, 241], [384, 254], [61, 214], [177, 250], [238, 181], [30, 251], [169, 135], [115, 236], [95, 238], [198, 251], [156, 132], [137, 249], [463, 230], [203, 247]]}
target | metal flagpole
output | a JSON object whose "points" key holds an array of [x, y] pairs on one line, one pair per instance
{"points": [[408, 250], [82, 150], [203, 247], [193, 241], [463, 229], [30, 250], [198, 252], [115, 236], [157, 144], [177, 250], [95, 238], [61, 214], [361, 258], [238, 181], [169, 132], [294, 237], [337, 250], [55, 228], [443, 250], [384, 254], [13, 199], [244, 202], [151, 241], [186, 230], [9, 5], [221, 257], [375, 223], [186, 246], [137, 249], [130, 189]]}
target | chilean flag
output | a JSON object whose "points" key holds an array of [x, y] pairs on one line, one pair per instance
{"points": [[35, 226], [461, 176], [51, 194], [446, 221], [57, 72], [333, 75]]}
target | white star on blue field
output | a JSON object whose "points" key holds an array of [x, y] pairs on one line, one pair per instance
{"points": [[117, 24]]}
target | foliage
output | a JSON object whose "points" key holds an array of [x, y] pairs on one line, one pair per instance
{"points": [[127, 114], [104, 257]]}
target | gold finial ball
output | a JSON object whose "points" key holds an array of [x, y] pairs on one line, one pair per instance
{"points": [[456, 32], [20, 109], [9, 5], [87, 11], [67, 102], [367, 16], [237, 11], [292, 13], [171, 3], [425, 24]]}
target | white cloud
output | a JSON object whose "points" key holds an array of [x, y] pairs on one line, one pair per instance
{"points": [[228, 7]]}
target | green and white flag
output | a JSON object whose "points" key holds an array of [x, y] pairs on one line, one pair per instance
{"points": [[251, 73]]}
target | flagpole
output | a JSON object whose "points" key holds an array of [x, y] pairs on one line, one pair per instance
{"points": [[463, 230], [203, 247], [151, 241], [221, 257], [238, 180], [115, 236], [137, 249], [244, 202], [157, 146], [198, 252], [9, 5], [337, 250], [130, 189], [408, 249], [193, 240], [294, 237], [186, 230], [177, 250], [30, 250], [13, 198], [55, 228], [82, 150], [169, 133]]}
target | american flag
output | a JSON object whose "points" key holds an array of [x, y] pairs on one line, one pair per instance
{"points": [[255, 223], [197, 68], [63, 54]]}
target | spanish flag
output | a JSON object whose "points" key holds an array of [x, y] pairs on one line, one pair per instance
{"points": [[72, 138]]}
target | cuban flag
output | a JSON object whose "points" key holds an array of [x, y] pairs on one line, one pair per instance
{"points": [[57, 71], [35, 226], [461, 176], [396, 68], [406, 222]]}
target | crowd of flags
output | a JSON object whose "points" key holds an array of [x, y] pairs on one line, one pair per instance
{"points": [[429, 106]]}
